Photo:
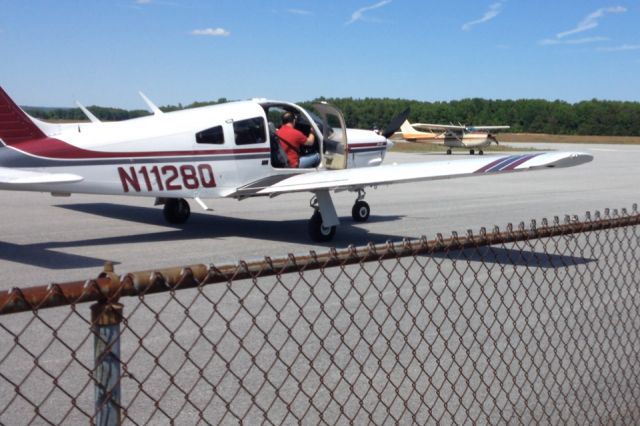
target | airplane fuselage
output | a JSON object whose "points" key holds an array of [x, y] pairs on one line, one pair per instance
{"points": [[467, 140], [206, 152]]}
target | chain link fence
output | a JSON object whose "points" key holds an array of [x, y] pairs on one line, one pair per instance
{"points": [[536, 324]]}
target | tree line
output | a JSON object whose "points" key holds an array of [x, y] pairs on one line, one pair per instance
{"points": [[594, 117]]}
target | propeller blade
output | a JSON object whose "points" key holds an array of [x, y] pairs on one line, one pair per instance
{"points": [[395, 123]]}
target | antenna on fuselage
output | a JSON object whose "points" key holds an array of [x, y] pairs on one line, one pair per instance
{"points": [[88, 113], [152, 106]]}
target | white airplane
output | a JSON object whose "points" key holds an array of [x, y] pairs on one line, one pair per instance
{"points": [[452, 136], [222, 151]]}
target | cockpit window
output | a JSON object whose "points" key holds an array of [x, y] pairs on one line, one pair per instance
{"points": [[214, 135], [318, 121], [250, 131], [274, 115]]}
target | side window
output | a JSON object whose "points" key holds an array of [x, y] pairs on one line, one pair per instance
{"points": [[250, 131], [213, 135]]}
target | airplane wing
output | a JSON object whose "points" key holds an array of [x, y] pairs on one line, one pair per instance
{"points": [[9, 176], [440, 127], [486, 128], [400, 173]]}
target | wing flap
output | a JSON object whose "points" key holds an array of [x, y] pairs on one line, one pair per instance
{"points": [[10, 176], [401, 173]]}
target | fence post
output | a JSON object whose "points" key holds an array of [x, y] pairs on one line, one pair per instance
{"points": [[106, 319]]}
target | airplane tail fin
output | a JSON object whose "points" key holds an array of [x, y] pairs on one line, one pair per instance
{"points": [[410, 133], [15, 124], [407, 127]]}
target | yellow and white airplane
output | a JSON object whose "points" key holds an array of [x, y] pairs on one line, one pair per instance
{"points": [[227, 150], [452, 136]]}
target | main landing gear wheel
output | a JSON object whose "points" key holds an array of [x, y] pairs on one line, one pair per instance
{"points": [[481, 152], [317, 231], [448, 152], [471, 151], [360, 211], [176, 211]]}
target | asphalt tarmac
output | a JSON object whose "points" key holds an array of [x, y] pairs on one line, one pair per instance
{"points": [[45, 239]]}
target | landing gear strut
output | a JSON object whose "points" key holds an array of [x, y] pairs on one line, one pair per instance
{"points": [[318, 229], [361, 210], [176, 210]]}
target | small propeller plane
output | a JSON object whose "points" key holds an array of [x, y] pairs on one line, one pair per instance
{"points": [[452, 136], [227, 150]]}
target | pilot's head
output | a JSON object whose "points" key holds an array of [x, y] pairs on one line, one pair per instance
{"points": [[288, 117]]}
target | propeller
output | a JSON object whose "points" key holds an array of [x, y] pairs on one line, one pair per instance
{"points": [[395, 123]]}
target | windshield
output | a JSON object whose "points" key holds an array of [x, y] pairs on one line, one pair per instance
{"points": [[316, 118]]}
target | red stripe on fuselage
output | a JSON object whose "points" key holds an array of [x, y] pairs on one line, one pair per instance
{"points": [[59, 150], [367, 145]]}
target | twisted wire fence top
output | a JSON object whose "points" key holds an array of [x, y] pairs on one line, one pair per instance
{"points": [[109, 286]]}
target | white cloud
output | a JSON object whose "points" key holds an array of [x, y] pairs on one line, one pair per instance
{"points": [[213, 32], [591, 21], [622, 48], [584, 40], [143, 1], [494, 10], [299, 12], [358, 15]]}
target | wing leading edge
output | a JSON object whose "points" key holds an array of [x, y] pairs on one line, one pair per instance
{"points": [[401, 173]]}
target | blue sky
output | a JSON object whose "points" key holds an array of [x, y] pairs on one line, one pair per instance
{"points": [[102, 52]]}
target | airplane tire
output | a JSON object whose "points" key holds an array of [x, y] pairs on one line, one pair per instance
{"points": [[176, 211], [360, 211], [481, 152], [448, 152], [471, 151], [317, 231]]}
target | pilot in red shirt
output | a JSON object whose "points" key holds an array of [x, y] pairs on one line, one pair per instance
{"points": [[292, 139]]}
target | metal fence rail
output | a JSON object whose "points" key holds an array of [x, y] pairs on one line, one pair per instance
{"points": [[529, 325]]}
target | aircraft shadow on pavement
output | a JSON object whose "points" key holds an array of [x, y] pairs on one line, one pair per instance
{"points": [[210, 225], [200, 225], [43, 255], [205, 225]]}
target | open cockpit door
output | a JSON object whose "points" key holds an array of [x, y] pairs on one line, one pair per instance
{"points": [[334, 136]]}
